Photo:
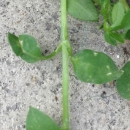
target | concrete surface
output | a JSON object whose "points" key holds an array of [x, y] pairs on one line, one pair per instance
{"points": [[92, 107]]}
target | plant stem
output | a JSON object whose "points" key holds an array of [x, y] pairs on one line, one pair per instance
{"points": [[64, 31], [65, 66], [65, 89], [126, 6], [58, 49]]}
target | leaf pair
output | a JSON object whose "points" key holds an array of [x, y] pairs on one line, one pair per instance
{"points": [[27, 48], [119, 20], [96, 67], [37, 120], [116, 16]]}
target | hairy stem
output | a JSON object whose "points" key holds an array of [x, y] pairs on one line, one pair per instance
{"points": [[125, 4], [65, 69]]}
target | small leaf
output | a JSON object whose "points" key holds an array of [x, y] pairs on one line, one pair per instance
{"points": [[27, 48], [123, 83], [109, 39], [118, 13], [31, 50], [113, 37], [118, 37], [37, 120], [82, 9], [127, 35], [105, 8], [14, 42], [125, 23], [94, 67]]}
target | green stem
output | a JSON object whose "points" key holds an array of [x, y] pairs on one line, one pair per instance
{"points": [[65, 89], [64, 31], [59, 48], [126, 6], [65, 69]]}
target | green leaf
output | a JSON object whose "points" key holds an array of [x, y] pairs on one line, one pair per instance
{"points": [[127, 35], [105, 8], [123, 83], [82, 9], [113, 37], [31, 50], [37, 120], [94, 67], [118, 13], [109, 39], [118, 37], [27, 48], [125, 23], [14, 42]]}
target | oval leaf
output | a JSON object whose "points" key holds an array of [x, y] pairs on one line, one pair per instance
{"points": [[118, 13], [82, 9], [125, 23], [26, 47], [123, 83], [37, 120], [31, 50], [118, 37], [109, 39], [94, 67]]}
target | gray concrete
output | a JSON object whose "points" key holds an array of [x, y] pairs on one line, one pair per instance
{"points": [[39, 84]]}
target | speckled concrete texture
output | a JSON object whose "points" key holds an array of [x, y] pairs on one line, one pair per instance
{"points": [[92, 107]]}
